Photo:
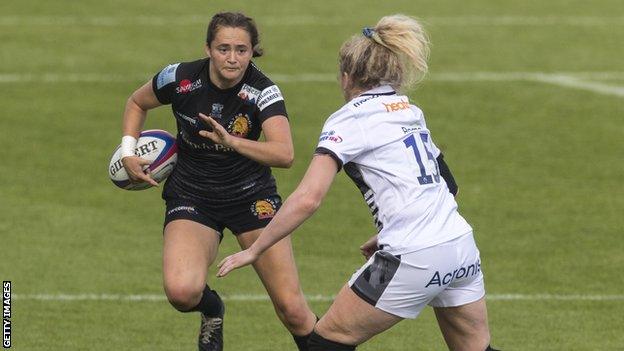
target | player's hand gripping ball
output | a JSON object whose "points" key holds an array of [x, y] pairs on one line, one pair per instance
{"points": [[156, 146]]}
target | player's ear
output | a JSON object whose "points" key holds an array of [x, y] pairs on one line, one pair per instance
{"points": [[344, 80], [345, 84], [207, 49]]}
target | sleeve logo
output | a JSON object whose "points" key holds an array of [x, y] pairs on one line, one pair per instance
{"points": [[167, 75], [330, 136], [269, 96]]}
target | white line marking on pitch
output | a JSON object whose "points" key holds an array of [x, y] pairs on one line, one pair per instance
{"points": [[190, 19], [316, 298], [574, 80]]}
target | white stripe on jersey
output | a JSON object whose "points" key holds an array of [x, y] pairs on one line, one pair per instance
{"points": [[385, 147]]}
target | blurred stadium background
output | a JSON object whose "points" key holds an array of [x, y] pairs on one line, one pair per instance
{"points": [[526, 99]]}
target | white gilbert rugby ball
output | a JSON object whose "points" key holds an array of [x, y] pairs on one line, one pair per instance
{"points": [[155, 145]]}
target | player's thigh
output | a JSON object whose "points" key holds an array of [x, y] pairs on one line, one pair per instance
{"points": [[188, 249], [276, 267], [351, 320], [464, 327], [460, 307]]}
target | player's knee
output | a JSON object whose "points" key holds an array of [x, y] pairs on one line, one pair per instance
{"points": [[335, 330], [319, 343], [183, 297], [293, 314]]}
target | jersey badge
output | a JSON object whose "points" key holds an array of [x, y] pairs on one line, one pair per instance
{"points": [[186, 86], [330, 136], [240, 125], [216, 111], [264, 208], [249, 94]]}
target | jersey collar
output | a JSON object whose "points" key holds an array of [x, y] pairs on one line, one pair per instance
{"points": [[380, 90]]}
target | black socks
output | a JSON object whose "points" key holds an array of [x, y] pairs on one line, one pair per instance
{"points": [[210, 303], [319, 343]]}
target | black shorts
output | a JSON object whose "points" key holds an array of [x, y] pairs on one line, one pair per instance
{"points": [[239, 217]]}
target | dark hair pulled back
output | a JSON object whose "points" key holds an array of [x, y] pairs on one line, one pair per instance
{"points": [[235, 20]]}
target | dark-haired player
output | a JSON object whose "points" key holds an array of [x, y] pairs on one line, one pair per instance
{"points": [[223, 179]]}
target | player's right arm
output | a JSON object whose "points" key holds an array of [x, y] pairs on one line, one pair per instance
{"points": [[142, 100]]}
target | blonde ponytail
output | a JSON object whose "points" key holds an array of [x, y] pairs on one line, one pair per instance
{"points": [[394, 52]]}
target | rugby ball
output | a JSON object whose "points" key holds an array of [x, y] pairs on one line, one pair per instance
{"points": [[155, 145]]}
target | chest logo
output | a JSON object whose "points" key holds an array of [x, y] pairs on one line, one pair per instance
{"points": [[186, 86], [249, 94], [240, 125], [216, 111]]}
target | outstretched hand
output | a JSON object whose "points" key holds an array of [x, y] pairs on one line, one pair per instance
{"points": [[218, 134], [235, 261]]}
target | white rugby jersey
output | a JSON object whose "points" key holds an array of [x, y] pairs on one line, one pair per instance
{"points": [[384, 145]]}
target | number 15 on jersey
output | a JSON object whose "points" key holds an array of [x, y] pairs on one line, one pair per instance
{"points": [[427, 164]]}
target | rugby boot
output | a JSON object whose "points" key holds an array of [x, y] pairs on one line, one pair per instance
{"points": [[211, 331]]}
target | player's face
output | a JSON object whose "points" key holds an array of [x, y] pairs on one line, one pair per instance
{"points": [[230, 53]]}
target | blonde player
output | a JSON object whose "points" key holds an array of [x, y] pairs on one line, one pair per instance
{"points": [[424, 252]]}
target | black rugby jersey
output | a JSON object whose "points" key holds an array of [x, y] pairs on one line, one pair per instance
{"points": [[205, 170]]}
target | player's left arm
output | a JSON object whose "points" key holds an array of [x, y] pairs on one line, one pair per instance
{"points": [[298, 207], [275, 151]]}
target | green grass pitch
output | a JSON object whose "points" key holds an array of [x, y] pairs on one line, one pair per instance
{"points": [[526, 99]]}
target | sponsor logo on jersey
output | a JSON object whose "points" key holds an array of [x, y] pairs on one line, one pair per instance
{"points": [[358, 103], [330, 136], [462, 272], [189, 209], [208, 146], [167, 75], [217, 109], [396, 106], [186, 86], [269, 96], [191, 120], [249, 94], [264, 208], [240, 125]]}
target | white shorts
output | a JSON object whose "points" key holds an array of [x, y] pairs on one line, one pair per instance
{"points": [[445, 275]]}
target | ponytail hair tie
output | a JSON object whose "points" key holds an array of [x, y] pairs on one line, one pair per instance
{"points": [[368, 32]]}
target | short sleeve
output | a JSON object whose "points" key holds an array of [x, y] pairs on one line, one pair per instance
{"points": [[271, 103], [163, 84], [342, 137]]}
